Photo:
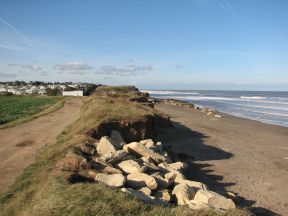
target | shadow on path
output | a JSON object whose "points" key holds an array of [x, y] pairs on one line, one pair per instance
{"points": [[186, 145]]}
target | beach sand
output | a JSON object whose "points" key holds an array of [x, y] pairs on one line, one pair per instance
{"points": [[246, 157]]}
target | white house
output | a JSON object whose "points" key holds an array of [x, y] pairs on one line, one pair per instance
{"points": [[73, 93]]}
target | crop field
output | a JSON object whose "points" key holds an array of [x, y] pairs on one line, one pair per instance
{"points": [[19, 107]]}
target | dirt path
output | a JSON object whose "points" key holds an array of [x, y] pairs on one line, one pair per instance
{"points": [[19, 144], [246, 157]]}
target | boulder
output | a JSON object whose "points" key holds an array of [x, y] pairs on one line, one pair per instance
{"points": [[148, 143], [150, 167], [130, 166], [145, 190], [163, 195], [138, 180], [161, 181], [117, 139], [183, 194], [115, 156], [213, 199], [165, 168], [102, 166], [217, 116], [194, 184], [105, 146], [140, 149], [113, 180], [196, 205], [178, 166], [143, 197], [86, 150]]}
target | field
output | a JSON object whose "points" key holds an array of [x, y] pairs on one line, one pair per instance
{"points": [[14, 108], [43, 189]]}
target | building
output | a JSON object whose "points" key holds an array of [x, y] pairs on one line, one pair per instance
{"points": [[73, 93]]}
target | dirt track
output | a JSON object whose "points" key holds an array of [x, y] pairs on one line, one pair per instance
{"points": [[19, 144], [246, 157]]}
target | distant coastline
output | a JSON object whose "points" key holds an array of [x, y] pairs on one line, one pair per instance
{"points": [[267, 106]]}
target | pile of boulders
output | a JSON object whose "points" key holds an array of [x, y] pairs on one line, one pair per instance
{"points": [[211, 112], [144, 170], [175, 102]]}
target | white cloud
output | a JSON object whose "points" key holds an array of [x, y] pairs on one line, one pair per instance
{"points": [[32, 67], [128, 70], [73, 66]]}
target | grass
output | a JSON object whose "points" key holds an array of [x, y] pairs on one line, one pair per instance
{"points": [[43, 190], [18, 109]]}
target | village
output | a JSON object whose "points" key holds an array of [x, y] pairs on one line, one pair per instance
{"points": [[42, 88]]}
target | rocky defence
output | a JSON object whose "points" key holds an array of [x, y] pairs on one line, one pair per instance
{"points": [[142, 169]]}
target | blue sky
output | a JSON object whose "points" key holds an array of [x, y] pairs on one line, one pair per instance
{"points": [[187, 44]]}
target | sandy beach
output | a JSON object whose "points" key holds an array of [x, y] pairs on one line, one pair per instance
{"points": [[246, 157]]}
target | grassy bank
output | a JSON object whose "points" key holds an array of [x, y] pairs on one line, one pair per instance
{"points": [[42, 188], [18, 109]]}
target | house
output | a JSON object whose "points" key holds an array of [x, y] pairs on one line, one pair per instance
{"points": [[73, 93]]}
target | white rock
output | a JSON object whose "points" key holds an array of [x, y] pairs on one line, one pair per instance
{"points": [[113, 180], [194, 184], [138, 180], [140, 149], [163, 195], [213, 199], [147, 142], [196, 205], [183, 194], [105, 146], [143, 197], [115, 156], [117, 139], [145, 190], [217, 116], [130, 166], [162, 182]]}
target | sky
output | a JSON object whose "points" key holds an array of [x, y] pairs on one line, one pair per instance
{"points": [[153, 44]]}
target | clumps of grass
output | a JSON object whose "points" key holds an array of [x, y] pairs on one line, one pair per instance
{"points": [[42, 189]]}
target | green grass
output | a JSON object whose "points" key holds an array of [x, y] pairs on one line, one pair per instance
{"points": [[15, 108], [42, 188]]}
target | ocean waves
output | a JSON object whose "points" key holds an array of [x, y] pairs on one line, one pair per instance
{"points": [[268, 107]]}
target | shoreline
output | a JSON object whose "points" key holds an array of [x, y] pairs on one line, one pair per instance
{"points": [[161, 100], [246, 157]]}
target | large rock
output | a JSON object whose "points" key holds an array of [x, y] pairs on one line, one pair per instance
{"points": [[117, 139], [178, 166], [148, 143], [130, 166], [163, 195], [196, 205], [105, 146], [194, 184], [140, 149], [167, 170], [213, 199], [183, 194], [143, 197], [115, 156], [145, 190], [138, 180], [161, 181], [113, 180]]}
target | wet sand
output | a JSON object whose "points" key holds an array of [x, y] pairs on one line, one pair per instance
{"points": [[246, 157]]}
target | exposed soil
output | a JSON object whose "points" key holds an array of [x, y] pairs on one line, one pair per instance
{"points": [[19, 144], [246, 157]]}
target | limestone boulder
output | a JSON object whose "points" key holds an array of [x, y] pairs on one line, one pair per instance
{"points": [[213, 199], [105, 146], [115, 156], [143, 197], [117, 139], [194, 184], [138, 180], [130, 166], [161, 181], [183, 194], [145, 190], [163, 195], [141, 150], [112, 180], [147, 142], [196, 205]]}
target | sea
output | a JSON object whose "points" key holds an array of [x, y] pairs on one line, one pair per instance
{"points": [[265, 106]]}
